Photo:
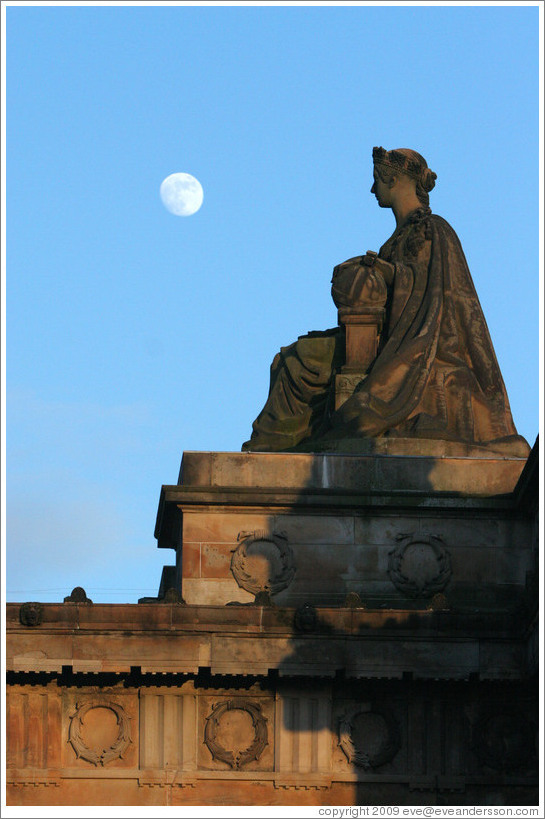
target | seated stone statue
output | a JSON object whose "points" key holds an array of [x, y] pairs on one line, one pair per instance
{"points": [[434, 374]]}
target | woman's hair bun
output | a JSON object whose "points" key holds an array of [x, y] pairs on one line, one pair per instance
{"points": [[427, 179]]}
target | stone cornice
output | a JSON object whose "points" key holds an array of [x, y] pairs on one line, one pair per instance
{"points": [[254, 640]]}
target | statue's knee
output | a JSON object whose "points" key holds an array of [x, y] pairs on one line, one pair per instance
{"points": [[458, 380]]}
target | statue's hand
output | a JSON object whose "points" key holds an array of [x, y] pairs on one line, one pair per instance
{"points": [[386, 270]]}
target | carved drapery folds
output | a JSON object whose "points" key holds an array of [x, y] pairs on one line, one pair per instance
{"points": [[219, 732], [89, 732], [263, 562], [419, 566]]}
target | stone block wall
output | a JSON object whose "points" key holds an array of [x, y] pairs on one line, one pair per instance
{"points": [[331, 555], [315, 528]]}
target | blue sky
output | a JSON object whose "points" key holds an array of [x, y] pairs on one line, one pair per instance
{"points": [[133, 334]]}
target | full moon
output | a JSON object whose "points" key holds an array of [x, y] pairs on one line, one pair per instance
{"points": [[181, 194]]}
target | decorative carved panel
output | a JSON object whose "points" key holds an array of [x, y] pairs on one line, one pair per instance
{"points": [[419, 566], [167, 722], [505, 741], [306, 618], [99, 731], [236, 732], [263, 562], [33, 728], [31, 614], [369, 736]]}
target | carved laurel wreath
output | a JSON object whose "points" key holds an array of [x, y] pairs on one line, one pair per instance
{"points": [[413, 586], [99, 756], [359, 756], [240, 556], [240, 758], [505, 741]]}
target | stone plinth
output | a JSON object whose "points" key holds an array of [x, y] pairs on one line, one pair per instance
{"points": [[396, 529], [362, 329], [361, 333], [394, 663]]}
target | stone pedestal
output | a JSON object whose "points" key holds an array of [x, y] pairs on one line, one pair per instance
{"points": [[380, 647], [393, 529], [362, 330]]}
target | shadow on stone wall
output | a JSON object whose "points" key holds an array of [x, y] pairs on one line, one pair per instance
{"points": [[412, 740], [413, 715]]}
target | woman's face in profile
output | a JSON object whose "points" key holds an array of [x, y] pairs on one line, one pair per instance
{"points": [[381, 190]]}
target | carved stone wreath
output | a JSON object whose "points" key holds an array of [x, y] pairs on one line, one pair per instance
{"points": [[241, 568], [426, 579], [236, 758], [505, 741], [360, 754], [99, 756]]}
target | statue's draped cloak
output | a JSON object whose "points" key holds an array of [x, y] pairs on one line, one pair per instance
{"points": [[435, 374]]}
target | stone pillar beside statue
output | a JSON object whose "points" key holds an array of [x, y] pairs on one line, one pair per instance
{"points": [[361, 328]]}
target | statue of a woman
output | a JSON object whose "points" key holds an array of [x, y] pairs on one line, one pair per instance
{"points": [[435, 375]]}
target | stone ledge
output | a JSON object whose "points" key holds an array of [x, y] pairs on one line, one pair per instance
{"points": [[334, 483], [439, 472], [153, 621], [360, 644], [190, 778]]}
